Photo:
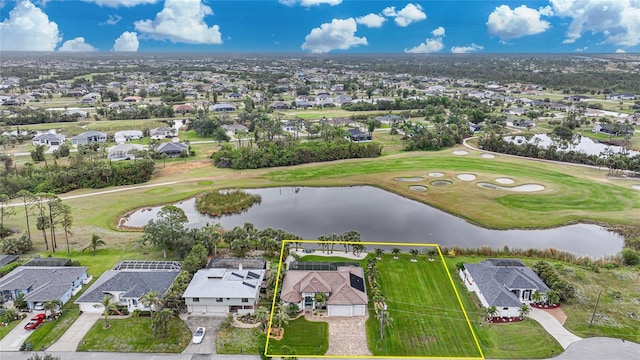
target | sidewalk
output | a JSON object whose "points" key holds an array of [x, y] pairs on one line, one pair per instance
{"points": [[554, 328]]}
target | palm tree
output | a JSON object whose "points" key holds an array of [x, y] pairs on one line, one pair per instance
{"points": [[280, 316], [160, 324], [536, 297], [96, 241], [262, 315], [52, 306], [320, 298], [414, 254], [108, 306], [395, 252], [378, 253], [491, 312], [152, 301], [524, 310], [552, 297]]}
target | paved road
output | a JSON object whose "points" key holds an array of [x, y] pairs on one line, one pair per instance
{"points": [[70, 340]]}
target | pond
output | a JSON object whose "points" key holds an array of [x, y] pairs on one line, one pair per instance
{"points": [[578, 143], [381, 216]]}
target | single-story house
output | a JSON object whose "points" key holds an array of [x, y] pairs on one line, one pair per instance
{"points": [[124, 151], [344, 287], [127, 135], [133, 99], [91, 98], [49, 139], [184, 108], [301, 104], [88, 137], [614, 129], [119, 105], [222, 107], [127, 282], [279, 105], [172, 149], [163, 133], [506, 284], [7, 259], [234, 128], [224, 291], [77, 113], [358, 135], [623, 96], [389, 119], [43, 283]]}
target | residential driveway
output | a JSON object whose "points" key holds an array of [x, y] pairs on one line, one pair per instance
{"points": [[71, 339], [14, 339], [553, 327], [347, 335], [212, 324]]}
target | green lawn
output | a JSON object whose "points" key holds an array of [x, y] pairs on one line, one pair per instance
{"points": [[134, 335], [304, 337], [427, 317], [240, 341], [4, 330]]}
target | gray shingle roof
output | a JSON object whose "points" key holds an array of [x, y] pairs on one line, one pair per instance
{"points": [[44, 283], [133, 284]]}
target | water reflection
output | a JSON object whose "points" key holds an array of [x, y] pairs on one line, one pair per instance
{"points": [[577, 143], [381, 216]]}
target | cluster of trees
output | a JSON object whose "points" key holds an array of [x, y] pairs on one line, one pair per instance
{"points": [[147, 112], [28, 115], [560, 289], [280, 153], [443, 135], [615, 162], [206, 127], [84, 171]]}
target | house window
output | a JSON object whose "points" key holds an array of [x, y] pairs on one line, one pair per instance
{"points": [[245, 300], [196, 299], [219, 300], [134, 302]]}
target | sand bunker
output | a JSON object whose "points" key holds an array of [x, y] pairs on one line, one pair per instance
{"points": [[637, 187], [519, 188], [409, 179], [466, 177], [418, 188], [436, 174], [504, 181], [460, 152], [441, 183], [487, 156]]}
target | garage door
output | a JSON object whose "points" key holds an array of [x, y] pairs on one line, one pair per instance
{"points": [[358, 310], [197, 308], [338, 310]]}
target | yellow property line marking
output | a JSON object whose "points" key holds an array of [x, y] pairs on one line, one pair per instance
{"points": [[414, 245]]}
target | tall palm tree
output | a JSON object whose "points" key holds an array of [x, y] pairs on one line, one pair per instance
{"points": [[280, 316], [151, 300], [262, 314], [108, 306], [52, 305], [96, 241], [160, 324]]}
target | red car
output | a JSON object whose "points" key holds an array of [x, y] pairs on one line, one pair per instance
{"points": [[35, 321]]}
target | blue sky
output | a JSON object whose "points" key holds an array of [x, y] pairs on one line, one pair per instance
{"points": [[322, 26]]}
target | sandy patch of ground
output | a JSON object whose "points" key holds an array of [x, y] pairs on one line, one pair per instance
{"points": [[418, 188], [409, 179], [519, 188], [504, 181], [636, 187], [436, 174], [181, 167], [487, 156], [466, 177], [460, 152], [441, 183]]}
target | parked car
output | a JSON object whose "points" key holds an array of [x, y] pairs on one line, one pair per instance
{"points": [[35, 321], [198, 335], [39, 306]]}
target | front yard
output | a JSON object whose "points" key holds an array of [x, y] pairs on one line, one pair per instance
{"points": [[303, 337], [134, 335]]}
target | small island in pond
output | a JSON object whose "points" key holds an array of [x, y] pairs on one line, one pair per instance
{"points": [[222, 202]]}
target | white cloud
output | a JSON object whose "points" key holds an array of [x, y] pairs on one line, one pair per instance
{"points": [[582, 49], [181, 21], [128, 41], [510, 24], [339, 34], [439, 31], [466, 49], [620, 51], [371, 20], [112, 20], [617, 20], [409, 14], [28, 29], [429, 46], [76, 44], [118, 3], [309, 3]]}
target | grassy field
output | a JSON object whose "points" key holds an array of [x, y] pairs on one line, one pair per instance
{"points": [[303, 337], [427, 318], [119, 337], [240, 341], [4, 330]]}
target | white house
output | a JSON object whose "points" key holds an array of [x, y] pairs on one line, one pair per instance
{"points": [[624, 96], [222, 107], [127, 282], [127, 135], [224, 291], [124, 151], [163, 133], [506, 284], [344, 287], [88, 137], [48, 139]]}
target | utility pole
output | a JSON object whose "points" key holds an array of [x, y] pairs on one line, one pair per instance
{"points": [[382, 319], [594, 308]]}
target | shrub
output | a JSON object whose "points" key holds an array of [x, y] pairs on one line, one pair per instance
{"points": [[16, 246], [630, 256]]}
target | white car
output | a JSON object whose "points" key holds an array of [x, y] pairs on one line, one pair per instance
{"points": [[39, 306], [198, 335]]}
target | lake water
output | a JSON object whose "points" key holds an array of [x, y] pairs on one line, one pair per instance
{"points": [[579, 143], [381, 216]]}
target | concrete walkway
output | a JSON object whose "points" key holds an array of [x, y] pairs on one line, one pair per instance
{"points": [[553, 327], [14, 339], [72, 337]]}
